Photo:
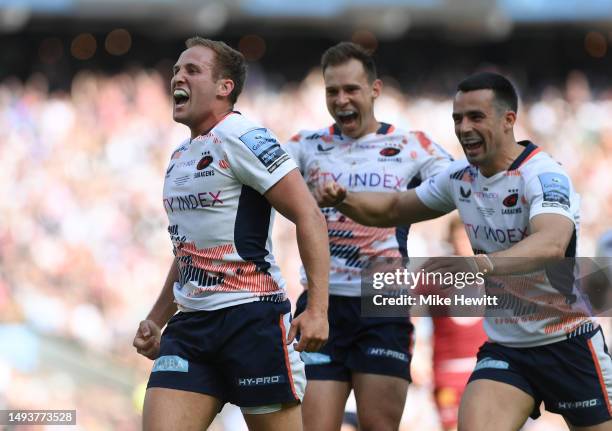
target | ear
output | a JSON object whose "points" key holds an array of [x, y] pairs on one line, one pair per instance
{"points": [[376, 88], [224, 87], [509, 120]]}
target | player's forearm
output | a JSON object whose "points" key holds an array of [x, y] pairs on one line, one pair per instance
{"points": [[313, 245], [530, 254], [165, 307], [371, 209]]}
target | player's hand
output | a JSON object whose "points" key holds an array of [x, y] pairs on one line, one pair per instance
{"points": [[452, 264], [147, 339], [313, 328], [329, 194], [456, 264]]}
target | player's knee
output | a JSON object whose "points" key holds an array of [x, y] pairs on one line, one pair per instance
{"points": [[379, 421]]}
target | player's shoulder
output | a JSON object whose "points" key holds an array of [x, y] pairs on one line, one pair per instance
{"points": [[461, 170], [540, 162], [420, 142], [312, 136], [182, 146], [416, 137], [235, 124]]}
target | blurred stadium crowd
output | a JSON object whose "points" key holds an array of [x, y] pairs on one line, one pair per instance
{"points": [[83, 242]]}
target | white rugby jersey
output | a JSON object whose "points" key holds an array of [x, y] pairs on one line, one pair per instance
{"points": [[389, 160], [496, 213], [219, 221]]}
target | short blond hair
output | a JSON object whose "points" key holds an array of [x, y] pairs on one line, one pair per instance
{"points": [[229, 63]]}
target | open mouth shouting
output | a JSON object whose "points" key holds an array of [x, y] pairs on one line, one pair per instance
{"points": [[472, 146], [181, 97], [347, 118]]}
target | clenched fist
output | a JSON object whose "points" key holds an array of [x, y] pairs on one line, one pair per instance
{"points": [[147, 339], [329, 194]]}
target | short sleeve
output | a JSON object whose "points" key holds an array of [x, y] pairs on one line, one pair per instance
{"points": [[293, 147], [257, 159], [551, 193], [432, 159], [435, 193]]}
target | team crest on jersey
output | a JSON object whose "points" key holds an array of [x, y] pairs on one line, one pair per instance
{"points": [[510, 200], [204, 161], [388, 154], [203, 164]]}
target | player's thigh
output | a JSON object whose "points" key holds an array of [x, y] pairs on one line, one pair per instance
{"points": [[171, 409], [380, 400], [606, 426], [323, 406], [289, 418], [488, 404]]}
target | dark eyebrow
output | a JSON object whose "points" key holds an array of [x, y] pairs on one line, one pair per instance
{"points": [[186, 65], [474, 112], [468, 113], [346, 87]]}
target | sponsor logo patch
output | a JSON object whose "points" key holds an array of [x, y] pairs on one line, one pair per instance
{"points": [[584, 404], [388, 353], [171, 363], [491, 363], [314, 358], [556, 189], [324, 149], [261, 381], [486, 212], [265, 147]]}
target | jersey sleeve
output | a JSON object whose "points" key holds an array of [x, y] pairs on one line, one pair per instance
{"points": [[551, 193], [257, 159], [432, 159], [294, 148], [435, 193]]}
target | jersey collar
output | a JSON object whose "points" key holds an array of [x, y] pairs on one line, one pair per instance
{"points": [[384, 129], [530, 150]]}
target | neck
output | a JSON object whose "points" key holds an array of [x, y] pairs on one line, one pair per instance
{"points": [[373, 126], [210, 121], [503, 160]]}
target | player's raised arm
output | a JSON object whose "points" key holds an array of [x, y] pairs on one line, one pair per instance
{"points": [[375, 209]]}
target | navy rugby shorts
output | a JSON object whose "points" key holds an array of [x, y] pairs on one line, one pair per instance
{"points": [[371, 345], [572, 377], [236, 354]]}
